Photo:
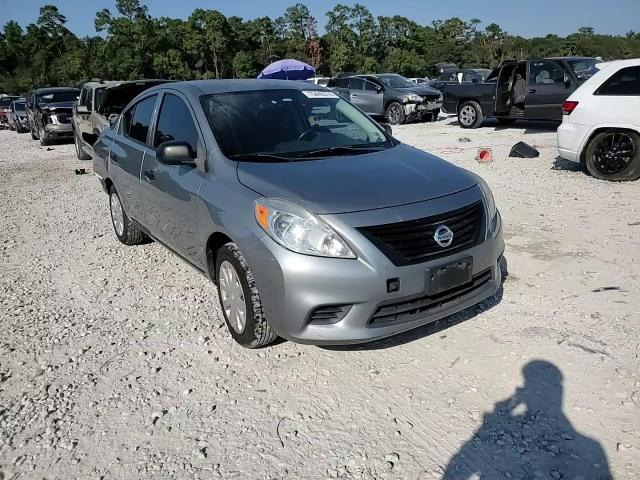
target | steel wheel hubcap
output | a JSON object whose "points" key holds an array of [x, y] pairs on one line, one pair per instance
{"points": [[614, 153], [117, 214], [467, 115], [232, 296]]}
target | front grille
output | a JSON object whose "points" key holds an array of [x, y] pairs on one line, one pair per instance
{"points": [[411, 242], [415, 308], [329, 314]]}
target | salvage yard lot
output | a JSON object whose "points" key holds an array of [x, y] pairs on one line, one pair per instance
{"points": [[115, 362]]}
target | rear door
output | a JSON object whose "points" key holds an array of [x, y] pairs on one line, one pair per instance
{"points": [[170, 192], [127, 154], [359, 94], [546, 90]]}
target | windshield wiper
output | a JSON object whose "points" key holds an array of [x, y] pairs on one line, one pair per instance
{"points": [[259, 157], [345, 149]]}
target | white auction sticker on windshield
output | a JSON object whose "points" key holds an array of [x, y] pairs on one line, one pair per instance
{"points": [[319, 94]]}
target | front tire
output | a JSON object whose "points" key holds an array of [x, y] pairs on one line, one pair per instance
{"points": [[614, 155], [126, 231], [81, 154], [240, 300], [470, 114], [395, 114]]}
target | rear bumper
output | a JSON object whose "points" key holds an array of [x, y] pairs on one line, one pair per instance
{"points": [[570, 139]]}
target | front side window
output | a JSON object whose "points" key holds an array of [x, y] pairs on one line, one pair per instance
{"points": [[289, 124], [356, 83], [624, 82], [83, 97], [546, 72], [137, 119], [175, 123]]}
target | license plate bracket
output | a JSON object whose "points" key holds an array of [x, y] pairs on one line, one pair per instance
{"points": [[449, 275]]}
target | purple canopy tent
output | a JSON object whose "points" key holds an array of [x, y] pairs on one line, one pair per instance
{"points": [[288, 69]]}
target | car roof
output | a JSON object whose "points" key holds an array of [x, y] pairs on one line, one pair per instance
{"points": [[117, 83], [208, 87], [54, 89]]}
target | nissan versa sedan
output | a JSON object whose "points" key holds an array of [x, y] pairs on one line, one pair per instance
{"points": [[314, 222]]}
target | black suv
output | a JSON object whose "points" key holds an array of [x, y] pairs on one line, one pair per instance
{"points": [[527, 89], [49, 113]]}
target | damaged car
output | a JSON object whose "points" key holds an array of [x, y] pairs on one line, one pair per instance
{"points": [[5, 110], [18, 115], [99, 104], [390, 95], [49, 113]]}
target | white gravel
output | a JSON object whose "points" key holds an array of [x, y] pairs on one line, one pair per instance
{"points": [[115, 361]]}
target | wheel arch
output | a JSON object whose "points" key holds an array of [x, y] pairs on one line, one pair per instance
{"points": [[215, 241], [463, 100], [600, 129]]}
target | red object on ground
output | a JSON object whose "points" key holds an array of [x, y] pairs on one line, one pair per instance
{"points": [[485, 155]]}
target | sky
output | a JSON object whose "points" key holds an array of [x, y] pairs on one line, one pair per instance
{"points": [[528, 18]]}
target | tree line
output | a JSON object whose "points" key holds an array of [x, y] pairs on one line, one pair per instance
{"points": [[131, 44]]}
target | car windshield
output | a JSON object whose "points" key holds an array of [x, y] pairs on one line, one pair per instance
{"points": [[58, 96], [584, 68], [396, 81], [19, 106], [281, 125]]}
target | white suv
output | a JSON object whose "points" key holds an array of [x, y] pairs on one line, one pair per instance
{"points": [[601, 123]]}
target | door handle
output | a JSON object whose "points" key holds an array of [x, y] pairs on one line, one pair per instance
{"points": [[149, 175], [532, 90]]}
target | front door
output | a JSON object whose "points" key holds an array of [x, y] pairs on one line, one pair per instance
{"points": [[169, 193], [502, 96], [546, 90], [127, 153], [365, 96]]}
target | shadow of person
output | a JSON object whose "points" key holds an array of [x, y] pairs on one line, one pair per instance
{"points": [[527, 436]]}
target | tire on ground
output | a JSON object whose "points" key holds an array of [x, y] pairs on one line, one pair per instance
{"points": [[131, 234], [470, 114], [257, 331], [630, 173], [396, 110]]}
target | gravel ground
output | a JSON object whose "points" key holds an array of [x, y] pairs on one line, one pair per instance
{"points": [[115, 361]]}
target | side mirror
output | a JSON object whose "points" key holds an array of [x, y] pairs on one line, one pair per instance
{"points": [[176, 153], [82, 109], [379, 89], [386, 127]]}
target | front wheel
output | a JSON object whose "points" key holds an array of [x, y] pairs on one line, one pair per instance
{"points": [[395, 113], [470, 115], [240, 300], [614, 155], [126, 231]]}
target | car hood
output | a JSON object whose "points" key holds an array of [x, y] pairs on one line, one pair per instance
{"points": [[420, 90], [397, 176], [57, 106]]}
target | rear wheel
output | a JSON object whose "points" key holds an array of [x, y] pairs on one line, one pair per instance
{"points": [[614, 155], [81, 154], [126, 231], [395, 113], [470, 114], [240, 300]]}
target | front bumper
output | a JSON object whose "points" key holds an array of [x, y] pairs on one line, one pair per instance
{"points": [[414, 109], [63, 130], [293, 286]]}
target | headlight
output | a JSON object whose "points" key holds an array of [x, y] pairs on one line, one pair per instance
{"points": [[298, 230], [494, 221], [414, 98]]}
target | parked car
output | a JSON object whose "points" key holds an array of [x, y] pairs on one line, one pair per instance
{"points": [[390, 95], [5, 109], [18, 115], [265, 186], [49, 113], [101, 102], [419, 80], [601, 125], [528, 89], [456, 77]]}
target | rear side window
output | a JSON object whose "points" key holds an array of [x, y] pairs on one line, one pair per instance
{"points": [[175, 123], [137, 119], [623, 82]]}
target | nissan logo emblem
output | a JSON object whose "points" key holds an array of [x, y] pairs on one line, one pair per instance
{"points": [[443, 236]]}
